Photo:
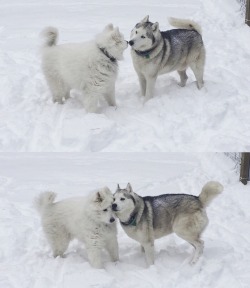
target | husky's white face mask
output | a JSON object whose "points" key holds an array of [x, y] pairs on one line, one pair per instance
{"points": [[123, 200], [142, 37]]}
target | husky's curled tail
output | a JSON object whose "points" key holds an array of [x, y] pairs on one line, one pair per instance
{"points": [[185, 24], [50, 35], [209, 192], [44, 200]]}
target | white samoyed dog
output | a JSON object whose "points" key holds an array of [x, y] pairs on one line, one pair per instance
{"points": [[90, 67], [89, 219]]}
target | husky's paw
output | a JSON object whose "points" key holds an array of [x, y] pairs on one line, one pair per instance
{"points": [[181, 84], [199, 85]]}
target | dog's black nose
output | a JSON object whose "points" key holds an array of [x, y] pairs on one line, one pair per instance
{"points": [[112, 220], [131, 42], [114, 206]]}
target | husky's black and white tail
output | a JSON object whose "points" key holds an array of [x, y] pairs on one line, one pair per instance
{"points": [[209, 191], [44, 200], [185, 24], [50, 35]]}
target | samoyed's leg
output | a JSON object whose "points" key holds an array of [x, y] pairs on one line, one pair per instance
{"points": [[112, 248], [60, 91], [58, 239], [90, 102], [94, 255], [110, 96]]}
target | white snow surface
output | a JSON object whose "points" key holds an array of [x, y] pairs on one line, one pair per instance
{"points": [[216, 118], [26, 260]]}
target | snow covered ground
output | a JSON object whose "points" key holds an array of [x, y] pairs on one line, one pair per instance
{"points": [[25, 257], [216, 118]]}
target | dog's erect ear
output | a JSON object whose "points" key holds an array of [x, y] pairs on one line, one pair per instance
{"points": [[98, 197], [129, 188], [145, 19], [105, 190], [109, 27], [116, 32], [155, 26]]}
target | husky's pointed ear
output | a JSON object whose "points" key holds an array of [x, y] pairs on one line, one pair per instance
{"points": [[129, 188], [109, 27], [98, 197], [145, 19], [155, 26]]}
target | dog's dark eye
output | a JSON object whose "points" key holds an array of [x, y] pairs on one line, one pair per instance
{"points": [[143, 37], [122, 199], [105, 210], [135, 32]]}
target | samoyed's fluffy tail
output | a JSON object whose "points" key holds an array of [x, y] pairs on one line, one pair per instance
{"points": [[50, 35], [44, 200], [209, 192], [185, 24]]}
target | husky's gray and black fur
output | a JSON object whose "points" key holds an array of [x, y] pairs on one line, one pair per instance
{"points": [[145, 219], [155, 52]]}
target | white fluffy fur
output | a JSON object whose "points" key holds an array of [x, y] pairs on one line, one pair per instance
{"points": [[83, 66], [184, 24], [209, 192], [88, 219]]}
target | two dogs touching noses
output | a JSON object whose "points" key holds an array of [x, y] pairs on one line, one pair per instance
{"points": [[92, 67], [91, 220]]}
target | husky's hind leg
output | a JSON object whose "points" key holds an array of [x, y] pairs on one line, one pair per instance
{"points": [[183, 78], [197, 67], [198, 250], [190, 228]]}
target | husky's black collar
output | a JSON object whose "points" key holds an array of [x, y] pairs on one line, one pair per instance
{"points": [[105, 52], [131, 221], [145, 54]]}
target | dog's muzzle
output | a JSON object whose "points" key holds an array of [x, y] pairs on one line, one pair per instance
{"points": [[114, 207], [131, 42]]}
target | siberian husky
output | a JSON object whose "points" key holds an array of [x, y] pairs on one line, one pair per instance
{"points": [[155, 52], [89, 67], [145, 219], [88, 219]]}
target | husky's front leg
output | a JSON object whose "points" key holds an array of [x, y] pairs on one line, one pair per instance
{"points": [[142, 81], [150, 85], [149, 252]]}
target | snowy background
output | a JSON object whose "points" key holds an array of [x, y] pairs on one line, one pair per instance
{"points": [[25, 257], [216, 118]]}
